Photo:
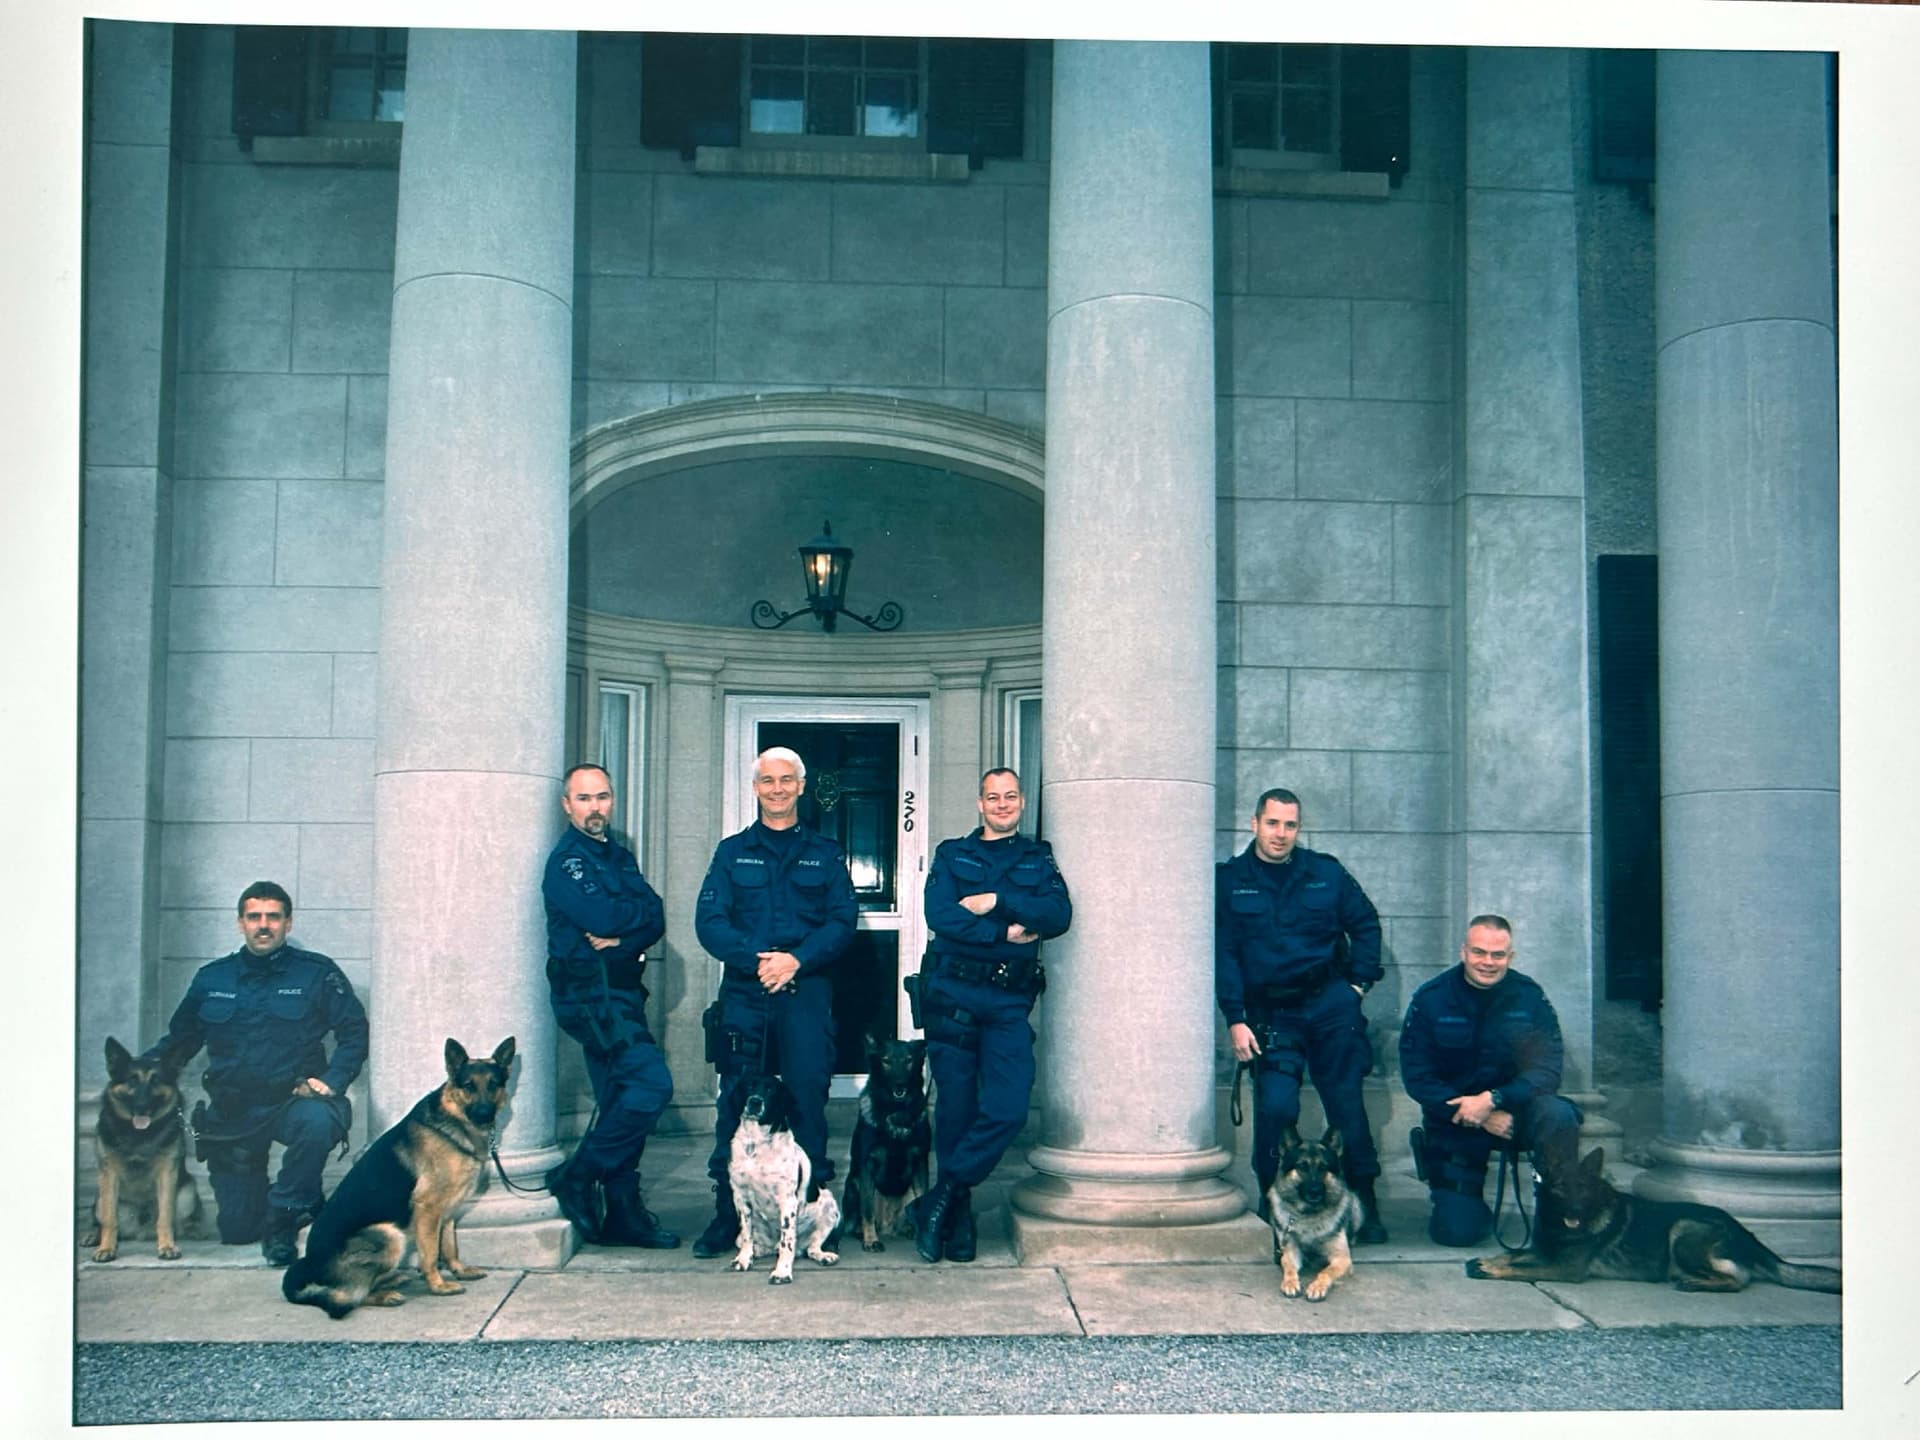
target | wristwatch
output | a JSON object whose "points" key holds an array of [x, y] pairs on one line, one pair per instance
{"points": [[1499, 1100]]}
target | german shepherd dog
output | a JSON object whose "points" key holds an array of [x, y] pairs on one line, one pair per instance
{"points": [[891, 1142], [1312, 1212], [771, 1176], [141, 1144], [406, 1186], [1586, 1229]]}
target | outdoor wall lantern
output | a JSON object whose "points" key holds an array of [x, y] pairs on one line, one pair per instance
{"points": [[824, 563]]}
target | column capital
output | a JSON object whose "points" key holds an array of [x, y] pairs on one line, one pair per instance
{"points": [[958, 674], [688, 669]]}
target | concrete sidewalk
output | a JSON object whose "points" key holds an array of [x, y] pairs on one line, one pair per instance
{"points": [[221, 1294]]}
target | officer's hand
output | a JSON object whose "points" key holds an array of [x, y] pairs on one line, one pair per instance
{"points": [[1245, 1047], [1472, 1110], [1499, 1124], [777, 969], [600, 943], [980, 904], [308, 1088], [1020, 935]]}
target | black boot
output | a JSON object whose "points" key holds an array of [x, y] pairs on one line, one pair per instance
{"points": [[963, 1242], [278, 1243], [722, 1234], [932, 1213], [629, 1222], [1371, 1231], [579, 1201]]}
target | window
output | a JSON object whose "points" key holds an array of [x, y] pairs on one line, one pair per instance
{"points": [[848, 87], [1280, 99], [622, 751], [1020, 748], [360, 76]]}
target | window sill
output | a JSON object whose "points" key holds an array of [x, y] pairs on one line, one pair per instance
{"points": [[381, 150], [829, 164], [1324, 184]]}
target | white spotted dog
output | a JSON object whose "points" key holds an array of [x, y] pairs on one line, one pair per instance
{"points": [[770, 1175]]}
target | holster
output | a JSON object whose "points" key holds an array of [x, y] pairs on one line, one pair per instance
{"points": [[725, 1042], [911, 984]]}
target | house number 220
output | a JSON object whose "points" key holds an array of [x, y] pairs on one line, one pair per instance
{"points": [[906, 822]]}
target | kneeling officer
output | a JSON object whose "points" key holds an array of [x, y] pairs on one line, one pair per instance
{"points": [[1480, 1050], [991, 898]]}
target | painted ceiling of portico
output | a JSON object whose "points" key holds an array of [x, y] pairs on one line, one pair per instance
{"points": [[700, 545]]}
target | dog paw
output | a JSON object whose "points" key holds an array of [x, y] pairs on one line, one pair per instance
{"points": [[1477, 1270], [168, 1252], [825, 1257], [90, 1239], [739, 1265], [447, 1287], [466, 1272], [1290, 1289], [779, 1279], [105, 1253], [873, 1245], [386, 1297], [1317, 1291]]}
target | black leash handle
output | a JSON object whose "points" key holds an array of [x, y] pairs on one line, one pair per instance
{"points": [[1234, 1111], [1509, 1162]]}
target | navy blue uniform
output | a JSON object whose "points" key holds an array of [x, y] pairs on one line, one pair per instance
{"points": [[980, 989], [594, 887], [263, 1020], [1290, 942], [777, 890], [1459, 1040]]}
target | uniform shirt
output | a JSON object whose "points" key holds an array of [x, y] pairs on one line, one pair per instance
{"points": [[771, 890], [1274, 923], [1026, 884], [262, 1019], [1460, 1040], [594, 887]]}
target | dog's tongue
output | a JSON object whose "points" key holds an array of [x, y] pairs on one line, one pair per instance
{"points": [[140, 1122]]}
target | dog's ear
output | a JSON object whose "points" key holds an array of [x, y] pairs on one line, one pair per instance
{"points": [[1290, 1139], [1335, 1144], [456, 1055], [503, 1053], [919, 1049], [876, 1045], [119, 1061], [1594, 1162]]}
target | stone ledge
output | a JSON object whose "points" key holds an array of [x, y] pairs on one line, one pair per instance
{"points": [[1062, 1242]]}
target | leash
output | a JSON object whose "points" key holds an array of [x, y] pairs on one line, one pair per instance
{"points": [[493, 1150], [1234, 1111], [1509, 1162]]}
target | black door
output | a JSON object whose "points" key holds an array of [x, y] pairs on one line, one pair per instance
{"points": [[853, 797]]}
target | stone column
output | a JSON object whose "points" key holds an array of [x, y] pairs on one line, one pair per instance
{"points": [[691, 977], [1749, 643], [1520, 595], [1128, 667], [127, 518], [473, 622]]}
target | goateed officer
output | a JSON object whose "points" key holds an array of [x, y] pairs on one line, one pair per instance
{"points": [[991, 898], [262, 1012], [601, 917], [1296, 946], [1480, 1050], [776, 910]]}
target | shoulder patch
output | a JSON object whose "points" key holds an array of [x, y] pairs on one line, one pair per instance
{"points": [[574, 866]]}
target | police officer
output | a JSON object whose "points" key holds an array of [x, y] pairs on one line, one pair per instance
{"points": [[776, 910], [601, 917], [991, 898], [1480, 1050], [1296, 947], [262, 1013]]}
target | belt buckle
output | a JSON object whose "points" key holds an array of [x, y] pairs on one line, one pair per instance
{"points": [[1001, 975]]}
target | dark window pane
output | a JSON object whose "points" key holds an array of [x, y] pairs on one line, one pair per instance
{"points": [[395, 41], [833, 50], [348, 40], [830, 101], [1252, 62], [393, 94], [1306, 64], [350, 93], [779, 49], [1306, 119], [891, 107], [776, 105], [1253, 122], [894, 54]]}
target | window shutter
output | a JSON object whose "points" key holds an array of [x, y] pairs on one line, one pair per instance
{"points": [[689, 91], [269, 81], [1375, 128], [977, 99], [1622, 86]]}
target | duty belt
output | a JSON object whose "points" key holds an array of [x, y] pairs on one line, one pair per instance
{"points": [[1285, 994], [1026, 977]]}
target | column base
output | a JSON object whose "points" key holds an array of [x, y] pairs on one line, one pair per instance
{"points": [[1790, 1199], [527, 1245], [1106, 1188], [517, 1229]]}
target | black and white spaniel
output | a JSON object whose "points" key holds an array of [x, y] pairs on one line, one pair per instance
{"points": [[771, 1175]]}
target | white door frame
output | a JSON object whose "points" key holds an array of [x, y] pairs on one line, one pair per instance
{"points": [[743, 713]]}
